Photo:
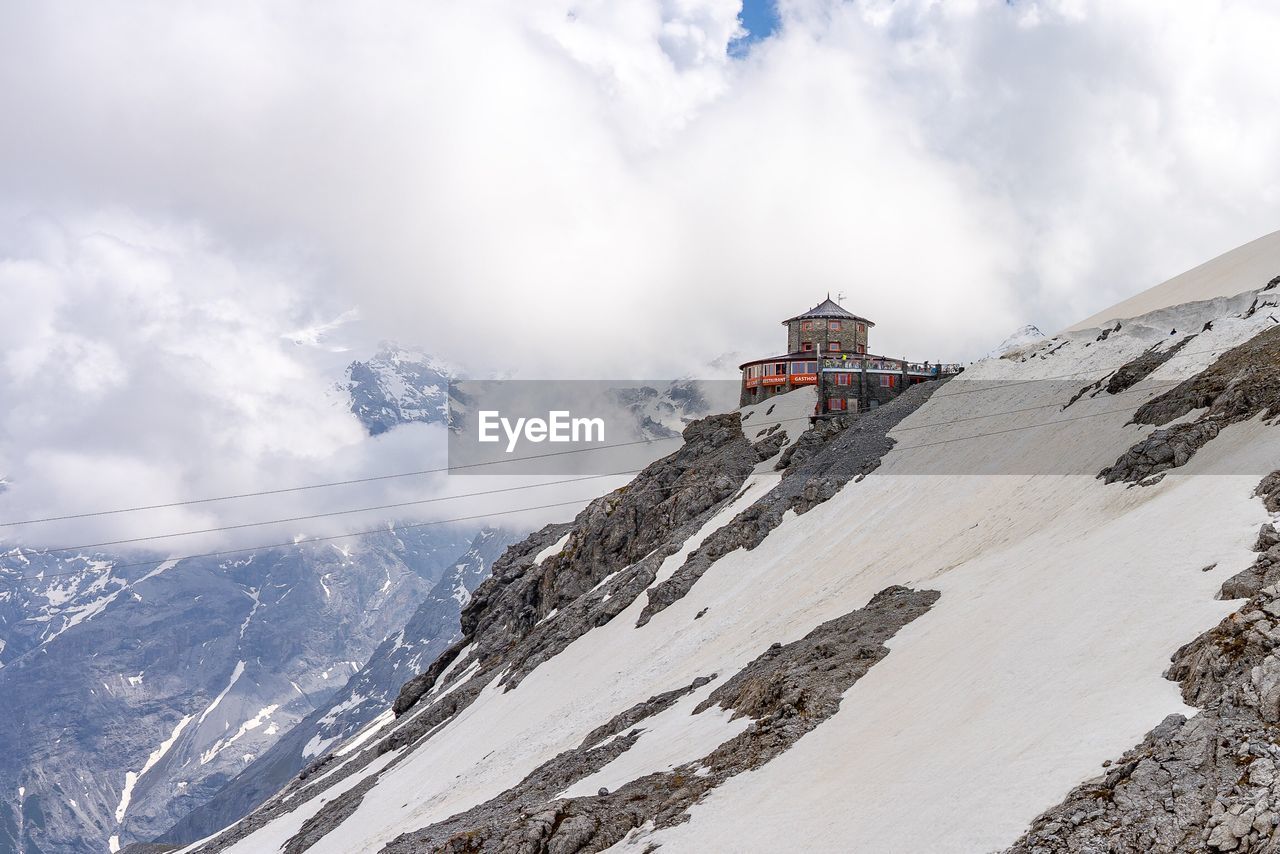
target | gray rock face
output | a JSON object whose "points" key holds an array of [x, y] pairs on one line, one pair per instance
{"points": [[1269, 492], [1205, 784], [816, 467], [675, 494], [165, 681], [1242, 383], [429, 631], [534, 606], [1143, 366], [1161, 451]]}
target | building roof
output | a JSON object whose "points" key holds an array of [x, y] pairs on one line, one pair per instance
{"points": [[828, 309]]}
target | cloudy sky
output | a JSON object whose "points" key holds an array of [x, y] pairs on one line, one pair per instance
{"points": [[206, 210]]}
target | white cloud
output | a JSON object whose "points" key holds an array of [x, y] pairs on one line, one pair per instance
{"points": [[585, 188]]}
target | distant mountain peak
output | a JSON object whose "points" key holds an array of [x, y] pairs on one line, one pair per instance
{"points": [[1021, 337], [399, 385]]}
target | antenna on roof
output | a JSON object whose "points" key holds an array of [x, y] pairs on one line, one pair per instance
{"points": [[839, 298]]}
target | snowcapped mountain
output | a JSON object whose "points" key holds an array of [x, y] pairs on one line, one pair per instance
{"points": [[1022, 337], [663, 412], [367, 695], [398, 386], [779, 621], [131, 694]]}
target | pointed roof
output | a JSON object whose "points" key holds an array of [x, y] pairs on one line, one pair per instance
{"points": [[829, 310]]}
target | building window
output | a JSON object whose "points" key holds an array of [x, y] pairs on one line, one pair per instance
{"points": [[806, 347], [806, 326], [834, 326], [843, 379], [837, 404], [834, 346], [862, 349], [886, 380], [862, 329], [779, 368]]}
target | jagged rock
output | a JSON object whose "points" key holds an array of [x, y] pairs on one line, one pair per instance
{"points": [[1269, 492], [1138, 369], [520, 555], [1241, 383], [828, 456], [1162, 450], [788, 690]]}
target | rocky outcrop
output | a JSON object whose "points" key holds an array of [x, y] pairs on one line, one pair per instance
{"points": [[1143, 366], [669, 498], [1162, 450], [816, 467], [516, 558], [1208, 783], [787, 691], [530, 609], [1239, 385], [1132, 372]]}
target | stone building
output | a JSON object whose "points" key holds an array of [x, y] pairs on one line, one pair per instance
{"points": [[827, 346], [828, 326]]}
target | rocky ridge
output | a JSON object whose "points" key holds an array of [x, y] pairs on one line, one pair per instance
{"points": [[787, 691], [564, 580]]}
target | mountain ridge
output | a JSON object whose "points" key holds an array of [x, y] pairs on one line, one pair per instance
{"points": [[600, 673]]}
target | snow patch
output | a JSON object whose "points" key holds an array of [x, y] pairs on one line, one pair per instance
{"points": [[553, 549], [131, 779], [235, 675]]}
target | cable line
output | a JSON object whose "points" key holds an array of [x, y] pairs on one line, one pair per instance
{"points": [[540, 506], [309, 540], [551, 454], [336, 513]]}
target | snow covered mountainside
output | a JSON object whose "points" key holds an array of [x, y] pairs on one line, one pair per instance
{"points": [[944, 625], [366, 697], [130, 694], [398, 386]]}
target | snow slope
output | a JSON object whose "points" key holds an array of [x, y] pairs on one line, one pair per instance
{"points": [[1062, 598], [1244, 268]]}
